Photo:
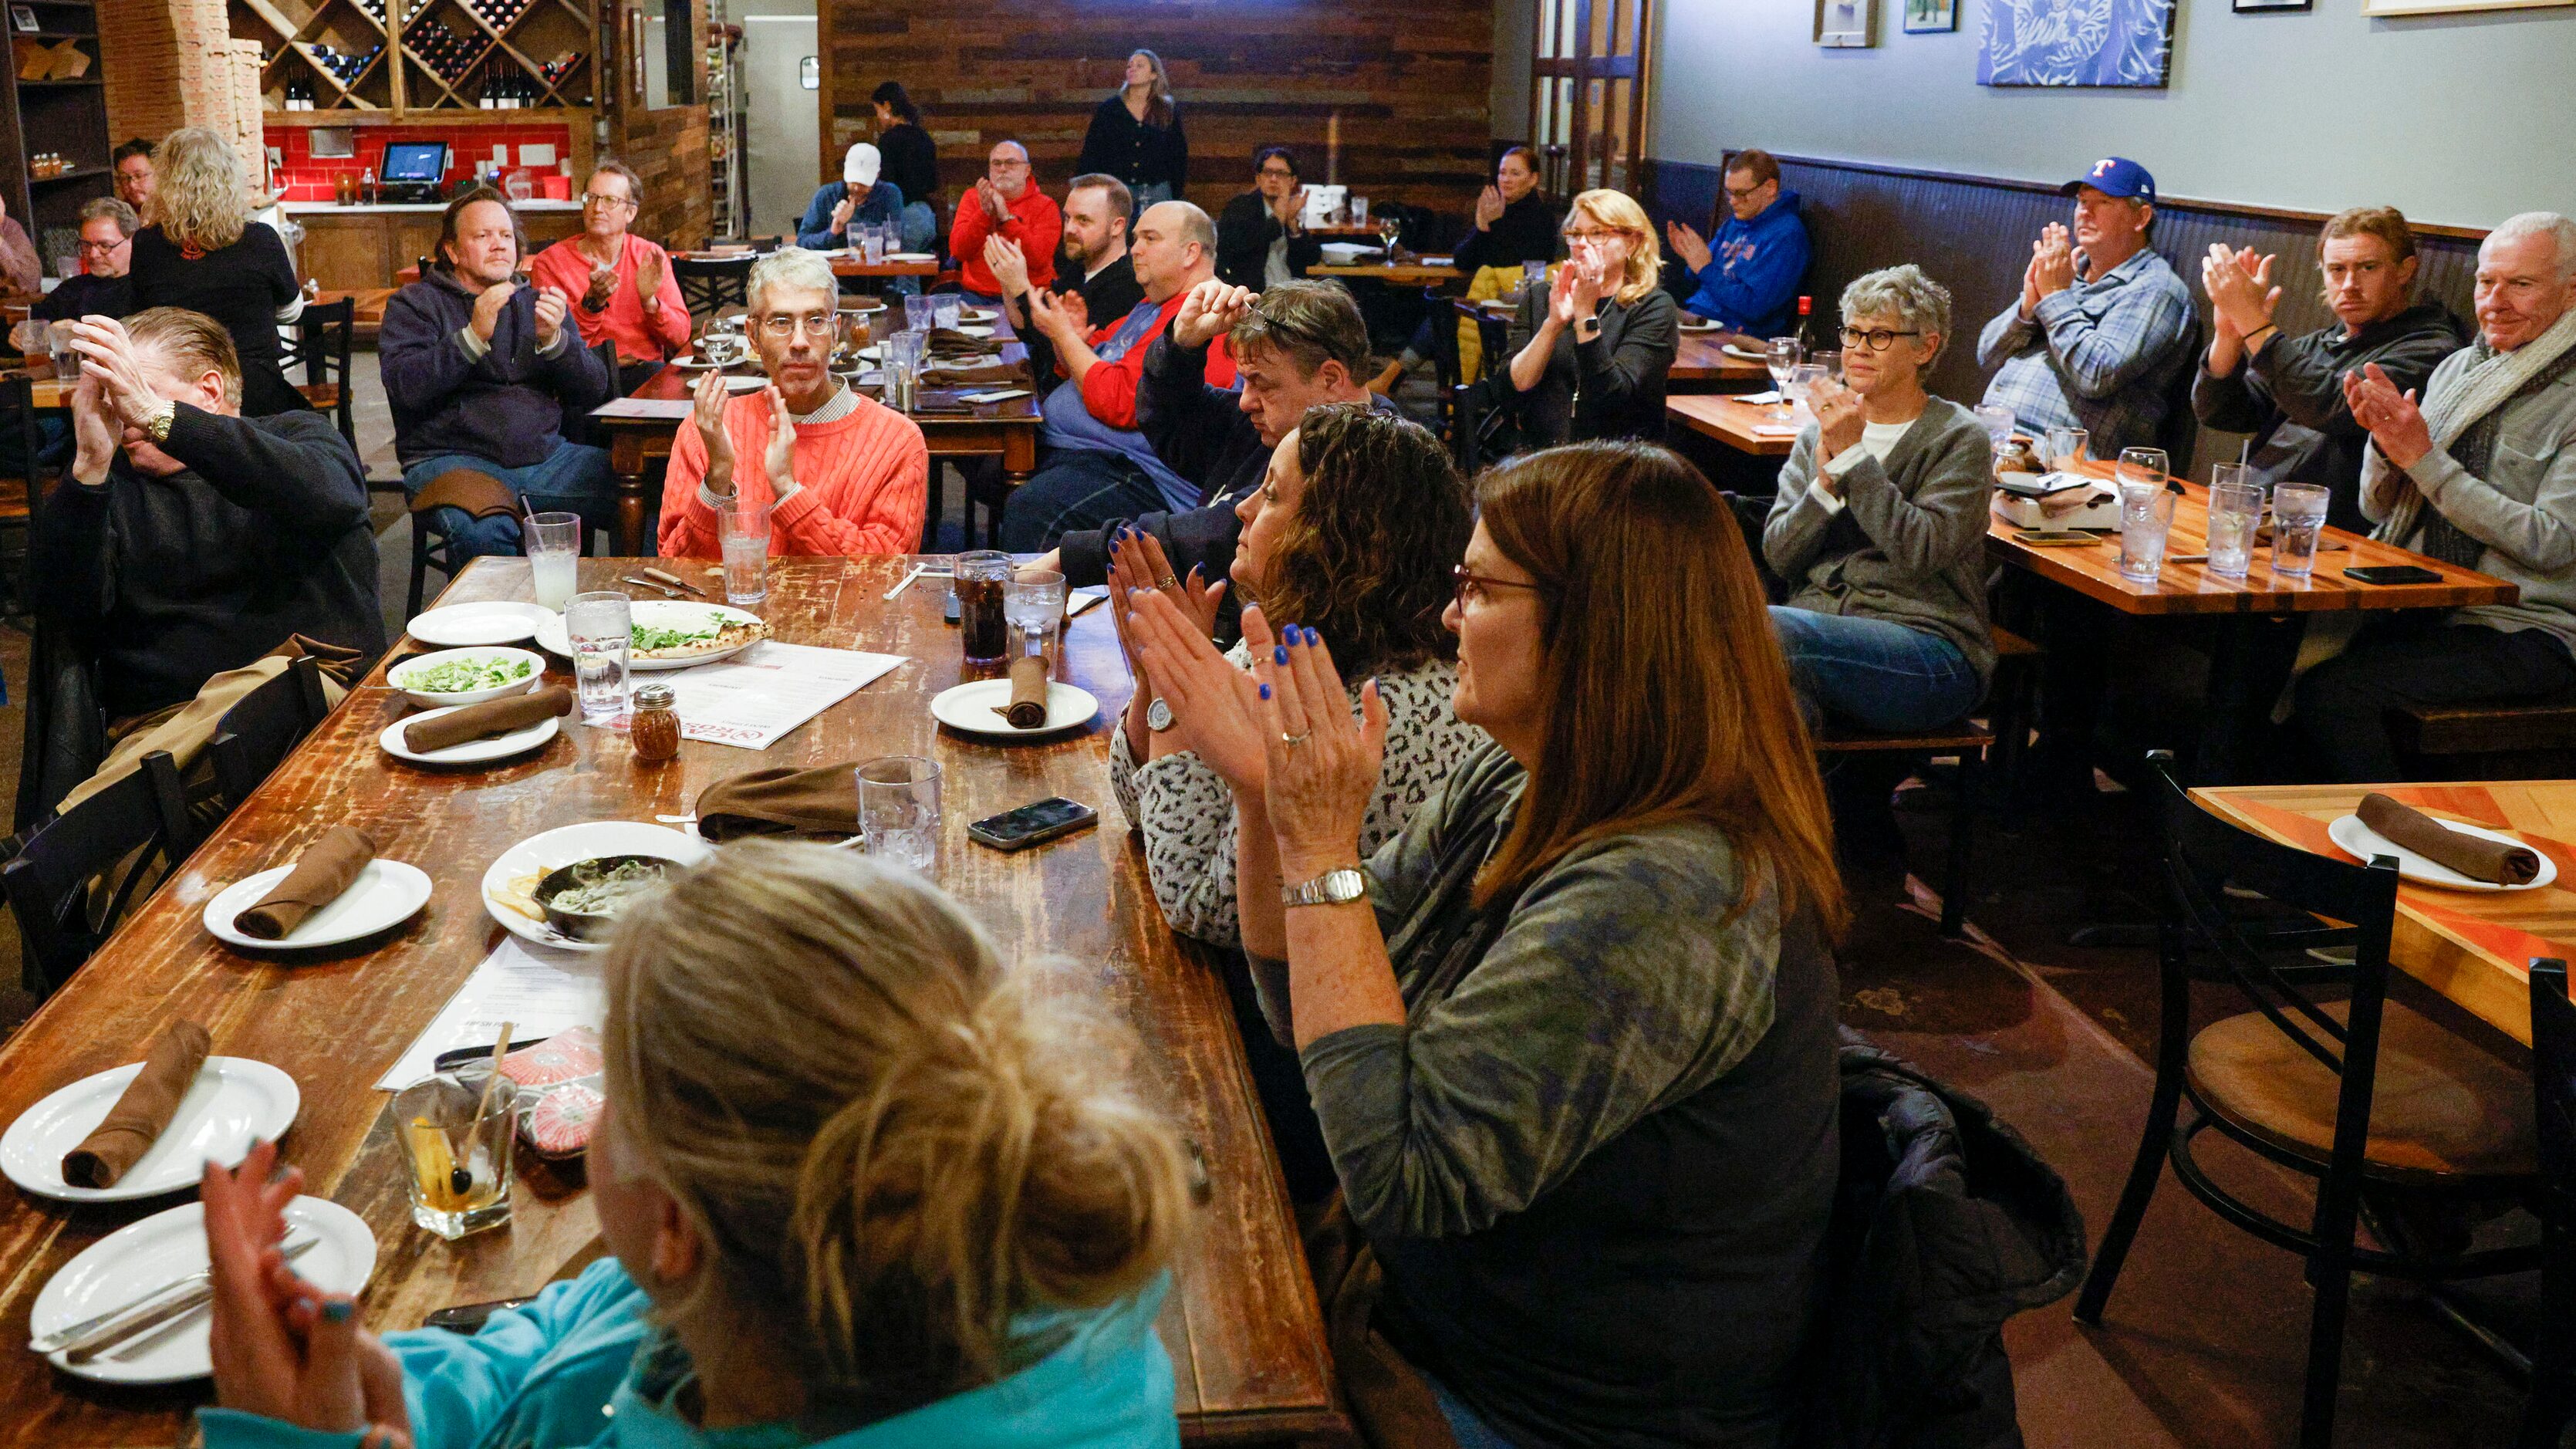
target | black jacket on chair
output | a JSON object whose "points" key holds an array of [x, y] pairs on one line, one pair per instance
{"points": [[1610, 387], [1946, 1223]]}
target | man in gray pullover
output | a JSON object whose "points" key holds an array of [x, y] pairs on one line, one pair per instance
{"points": [[2481, 473]]}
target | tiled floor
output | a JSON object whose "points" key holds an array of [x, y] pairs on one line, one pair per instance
{"points": [[2204, 1341]]}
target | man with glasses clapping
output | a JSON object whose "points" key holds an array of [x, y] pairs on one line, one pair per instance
{"points": [[1005, 203], [623, 283]]}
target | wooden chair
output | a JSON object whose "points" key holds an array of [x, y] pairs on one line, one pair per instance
{"points": [[708, 283], [48, 882], [430, 545], [320, 344], [2553, 1082], [2351, 1092], [257, 734]]}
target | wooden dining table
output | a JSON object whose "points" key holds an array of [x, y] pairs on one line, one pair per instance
{"points": [[1242, 1324], [2472, 947], [1428, 271], [846, 265], [1753, 429]]}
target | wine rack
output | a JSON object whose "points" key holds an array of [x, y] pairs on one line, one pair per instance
{"points": [[424, 55]]}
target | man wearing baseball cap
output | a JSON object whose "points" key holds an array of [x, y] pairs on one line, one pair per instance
{"points": [[2103, 325]]}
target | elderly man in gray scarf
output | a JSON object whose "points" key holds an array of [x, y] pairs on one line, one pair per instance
{"points": [[2481, 473]]}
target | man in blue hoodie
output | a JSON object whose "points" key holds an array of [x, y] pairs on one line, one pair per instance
{"points": [[1748, 281]]}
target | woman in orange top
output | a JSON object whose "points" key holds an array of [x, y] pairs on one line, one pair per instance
{"points": [[845, 475], [621, 283]]}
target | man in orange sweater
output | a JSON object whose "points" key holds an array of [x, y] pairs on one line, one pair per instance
{"points": [[624, 284], [843, 475], [1006, 203]]}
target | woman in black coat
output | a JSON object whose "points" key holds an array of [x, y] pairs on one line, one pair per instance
{"points": [[1591, 354], [1136, 136]]}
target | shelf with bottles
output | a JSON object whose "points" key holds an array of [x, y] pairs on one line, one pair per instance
{"points": [[518, 54], [322, 55]]}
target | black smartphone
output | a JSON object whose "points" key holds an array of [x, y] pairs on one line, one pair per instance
{"points": [[1032, 824], [2393, 574], [469, 1318], [2056, 537]]}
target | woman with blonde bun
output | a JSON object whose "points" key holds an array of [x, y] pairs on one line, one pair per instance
{"points": [[860, 1189]]}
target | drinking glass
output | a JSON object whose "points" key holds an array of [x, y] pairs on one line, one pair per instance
{"points": [[2146, 519], [981, 581], [918, 313], [2066, 447], [1033, 604], [2141, 465], [1802, 385], [1782, 355], [899, 811], [1390, 230], [2224, 475], [1999, 423], [1830, 363], [2298, 517], [871, 246], [67, 363], [458, 1169], [944, 309], [1359, 211], [601, 627], [2235, 511], [742, 527], [1534, 277], [553, 545]]}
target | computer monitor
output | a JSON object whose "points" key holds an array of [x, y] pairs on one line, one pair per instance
{"points": [[415, 161]]}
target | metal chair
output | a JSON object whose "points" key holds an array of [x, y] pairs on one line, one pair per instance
{"points": [[2297, 1082], [144, 815], [321, 344], [257, 734]]}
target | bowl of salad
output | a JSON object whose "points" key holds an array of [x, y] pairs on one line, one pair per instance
{"points": [[466, 676]]}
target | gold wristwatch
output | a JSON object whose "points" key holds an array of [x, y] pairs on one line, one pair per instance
{"points": [[1332, 888], [156, 424]]}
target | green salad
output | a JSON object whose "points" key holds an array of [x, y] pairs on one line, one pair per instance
{"points": [[654, 636], [463, 676]]}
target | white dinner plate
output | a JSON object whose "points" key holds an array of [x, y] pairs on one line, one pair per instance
{"points": [[472, 752], [541, 853], [2361, 843], [464, 626], [970, 708], [969, 329], [1738, 353], [234, 1102], [1700, 324], [385, 894], [420, 664], [140, 1257], [665, 613], [910, 257], [977, 314]]}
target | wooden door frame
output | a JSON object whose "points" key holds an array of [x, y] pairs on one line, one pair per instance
{"points": [[1580, 70]]}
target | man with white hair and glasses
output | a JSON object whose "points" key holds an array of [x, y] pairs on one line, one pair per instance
{"points": [[2480, 472], [841, 473]]}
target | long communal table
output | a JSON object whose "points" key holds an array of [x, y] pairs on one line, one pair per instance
{"points": [[1243, 1326]]}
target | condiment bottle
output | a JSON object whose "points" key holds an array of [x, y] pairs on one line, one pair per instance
{"points": [[655, 726]]}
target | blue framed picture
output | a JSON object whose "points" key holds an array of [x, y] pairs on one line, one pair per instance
{"points": [[2076, 43], [1925, 17]]}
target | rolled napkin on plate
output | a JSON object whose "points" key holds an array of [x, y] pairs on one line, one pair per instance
{"points": [[483, 721], [1028, 707], [991, 374], [142, 1110], [2492, 861], [326, 868], [781, 800]]}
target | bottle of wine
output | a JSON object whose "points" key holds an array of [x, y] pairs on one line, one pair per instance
{"points": [[1805, 306]]}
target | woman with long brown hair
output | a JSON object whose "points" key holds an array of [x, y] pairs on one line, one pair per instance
{"points": [[1136, 135], [1571, 1033], [204, 254]]}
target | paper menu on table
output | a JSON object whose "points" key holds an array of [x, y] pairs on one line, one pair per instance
{"points": [[753, 699], [541, 991], [654, 408]]}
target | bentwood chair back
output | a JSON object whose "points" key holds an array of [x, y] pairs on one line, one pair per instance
{"points": [[2343, 1092], [2553, 1083], [48, 883], [257, 734]]}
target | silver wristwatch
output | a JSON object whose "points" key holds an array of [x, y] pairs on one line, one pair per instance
{"points": [[1331, 888], [1158, 715]]}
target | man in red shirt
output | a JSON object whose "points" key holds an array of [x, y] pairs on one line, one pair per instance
{"points": [[621, 283], [1006, 203]]}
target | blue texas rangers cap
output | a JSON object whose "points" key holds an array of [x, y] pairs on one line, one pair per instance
{"points": [[2115, 176]]}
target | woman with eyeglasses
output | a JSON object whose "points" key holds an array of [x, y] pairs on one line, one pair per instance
{"points": [[1590, 353], [622, 287], [1570, 1033]]}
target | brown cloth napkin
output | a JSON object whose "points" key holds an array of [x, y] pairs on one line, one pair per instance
{"points": [[480, 494], [325, 869], [781, 800], [991, 374], [142, 1110], [491, 717], [1028, 707], [2492, 861]]}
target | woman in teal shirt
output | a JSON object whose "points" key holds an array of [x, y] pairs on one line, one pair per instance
{"points": [[857, 1191]]}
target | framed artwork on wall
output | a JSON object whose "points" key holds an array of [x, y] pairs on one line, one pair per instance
{"points": [[2401, 8], [1847, 24], [1925, 17], [2125, 43], [2242, 6]]}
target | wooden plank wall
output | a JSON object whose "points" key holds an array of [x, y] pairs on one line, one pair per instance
{"points": [[1408, 84], [1973, 235], [668, 147]]}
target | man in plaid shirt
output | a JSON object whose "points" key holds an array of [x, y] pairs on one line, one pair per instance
{"points": [[2103, 327]]}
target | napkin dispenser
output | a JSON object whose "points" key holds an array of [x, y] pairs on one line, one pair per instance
{"points": [[2056, 500]]}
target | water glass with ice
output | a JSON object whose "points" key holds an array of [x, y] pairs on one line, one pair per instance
{"points": [[2298, 517], [67, 363], [742, 528], [899, 811], [944, 308], [1998, 420], [2146, 520], [2235, 512], [919, 313], [553, 544], [2066, 447], [1033, 604], [601, 627]]}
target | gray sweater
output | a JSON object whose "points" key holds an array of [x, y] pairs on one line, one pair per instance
{"points": [[2523, 510], [1909, 544]]}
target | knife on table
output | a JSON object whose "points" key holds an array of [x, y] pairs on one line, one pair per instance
{"points": [[88, 1337]]}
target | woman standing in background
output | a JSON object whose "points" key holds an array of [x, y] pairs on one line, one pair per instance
{"points": [[1136, 136], [911, 161], [203, 253]]}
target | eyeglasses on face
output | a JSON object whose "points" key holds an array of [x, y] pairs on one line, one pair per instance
{"points": [[1277, 173], [1744, 193], [1475, 588], [783, 324], [613, 203], [1596, 236], [1007, 163], [1876, 339], [103, 248]]}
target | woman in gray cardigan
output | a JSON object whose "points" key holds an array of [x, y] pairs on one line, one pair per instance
{"points": [[1880, 526]]}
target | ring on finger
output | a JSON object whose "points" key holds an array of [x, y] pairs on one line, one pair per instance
{"points": [[1293, 741], [1170, 582]]}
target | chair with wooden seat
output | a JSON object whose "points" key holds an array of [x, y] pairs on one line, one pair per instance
{"points": [[431, 548], [256, 735], [47, 882], [2553, 1090], [320, 343], [2352, 1093]]}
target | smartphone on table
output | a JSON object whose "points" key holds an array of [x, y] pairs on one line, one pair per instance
{"points": [[2393, 574], [1032, 824]]}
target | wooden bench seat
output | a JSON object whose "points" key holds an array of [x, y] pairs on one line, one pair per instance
{"points": [[2486, 729]]}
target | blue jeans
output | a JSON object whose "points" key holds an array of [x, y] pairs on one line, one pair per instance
{"points": [[1076, 489], [1465, 1425], [920, 226], [1877, 674], [572, 479]]}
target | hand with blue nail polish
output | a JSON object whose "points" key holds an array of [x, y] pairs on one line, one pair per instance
{"points": [[1213, 703]]}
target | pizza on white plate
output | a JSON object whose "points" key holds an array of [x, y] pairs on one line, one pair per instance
{"points": [[693, 635]]}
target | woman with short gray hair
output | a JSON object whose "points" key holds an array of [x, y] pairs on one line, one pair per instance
{"points": [[1880, 528]]}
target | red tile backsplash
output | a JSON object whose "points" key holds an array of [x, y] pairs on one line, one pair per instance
{"points": [[302, 176]]}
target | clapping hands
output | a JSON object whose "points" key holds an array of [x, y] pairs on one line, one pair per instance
{"points": [[1688, 245], [2241, 294], [2396, 423]]}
